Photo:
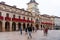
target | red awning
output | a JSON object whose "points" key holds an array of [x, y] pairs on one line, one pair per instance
{"points": [[46, 23]]}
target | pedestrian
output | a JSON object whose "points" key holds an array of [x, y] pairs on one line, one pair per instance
{"points": [[45, 31], [29, 28], [21, 31], [26, 30], [33, 29]]}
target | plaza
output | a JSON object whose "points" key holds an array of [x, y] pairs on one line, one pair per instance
{"points": [[52, 35], [12, 19]]}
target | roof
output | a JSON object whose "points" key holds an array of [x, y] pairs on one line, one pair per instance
{"points": [[32, 1], [3, 3]]}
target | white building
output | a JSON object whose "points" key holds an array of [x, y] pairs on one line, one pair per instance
{"points": [[57, 22]]}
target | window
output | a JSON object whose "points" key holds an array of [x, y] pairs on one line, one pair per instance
{"points": [[31, 14], [13, 16], [36, 19], [19, 17], [28, 18], [0, 13], [23, 17], [31, 19], [7, 15]]}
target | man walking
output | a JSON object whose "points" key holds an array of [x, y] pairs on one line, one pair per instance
{"points": [[29, 28]]}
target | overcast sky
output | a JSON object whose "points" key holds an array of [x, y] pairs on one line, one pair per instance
{"points": [[50, 7]]}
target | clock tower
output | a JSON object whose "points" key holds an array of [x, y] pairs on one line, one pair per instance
{"points": [[32, 6]]}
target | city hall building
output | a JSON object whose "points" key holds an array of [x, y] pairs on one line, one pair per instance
{"points": [[13, 18]]}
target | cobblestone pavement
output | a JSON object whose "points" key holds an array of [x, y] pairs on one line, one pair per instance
{"points": [[52, 35]]}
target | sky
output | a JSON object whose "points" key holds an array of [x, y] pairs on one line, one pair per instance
{"points": [[50, 7]]}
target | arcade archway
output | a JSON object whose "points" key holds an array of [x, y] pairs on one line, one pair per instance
{"points": [[23, 26], [19, 26], [27, 24], [7, 26], [0, 26], [13, 26]]}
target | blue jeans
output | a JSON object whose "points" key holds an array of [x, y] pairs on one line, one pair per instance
{"points": [[21, 31], [29, 34]]}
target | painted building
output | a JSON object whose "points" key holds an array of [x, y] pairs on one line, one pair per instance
{"points": [[13, 18]]}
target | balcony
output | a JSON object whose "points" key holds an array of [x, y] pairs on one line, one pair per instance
{"points": [[21, 20], [14, 19], [46, 23], [8, 18]]}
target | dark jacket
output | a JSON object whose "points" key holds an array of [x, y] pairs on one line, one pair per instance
{"points": [[29, 29], [25, 29], [33, 28]]}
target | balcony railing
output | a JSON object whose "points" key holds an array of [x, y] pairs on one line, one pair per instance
{"points": [[8, 18], [21, 20], [14, 19]]}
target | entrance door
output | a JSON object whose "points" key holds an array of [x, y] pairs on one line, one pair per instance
{"points": [[13, 26]]}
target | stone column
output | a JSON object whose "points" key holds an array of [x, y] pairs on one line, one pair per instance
{"points": [[3, 26], [35, 26], [10, 26], [52, 26], [26, 25], [22, 26], [39, 26], [42, 26], [16, 26]]}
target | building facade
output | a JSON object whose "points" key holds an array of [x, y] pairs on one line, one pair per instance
{"points": [[13, 18], [57, 22], [47, 21], [33, 8]]}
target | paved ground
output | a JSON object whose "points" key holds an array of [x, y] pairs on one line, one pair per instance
{"points": [[52, 35]]}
